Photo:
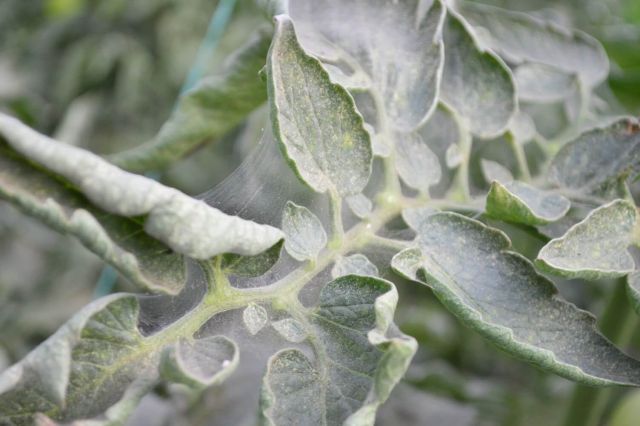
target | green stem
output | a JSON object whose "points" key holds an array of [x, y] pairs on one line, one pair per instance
{"points": [[617, 323], [518, 151], [462, 177], [337, 228]]}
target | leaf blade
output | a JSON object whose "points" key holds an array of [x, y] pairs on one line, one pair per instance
{"points": [[596, 247], [521, 203], [333, 154], [509, 303]]}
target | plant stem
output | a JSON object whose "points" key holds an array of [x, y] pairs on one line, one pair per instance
{"points": [[521, 159], [462, 177], [617, 323], [337, 228]]}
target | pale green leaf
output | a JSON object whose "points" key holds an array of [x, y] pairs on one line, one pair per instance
{"points": [[453, 156], [498, 293], [199, 363], [519, 37], [476, 83], [120, 241], [355, 364], [522, 203], [99, 364], [416, 164], [304, 234], [633, 290], [255, 317], [596, 247], [522, 128], [315, 120], [494, 171], [207, 112], [542, 83], [290, 329], [360, 205], [83, 369], [356, 264], [184, 224], [388, 33], [599, 158]]}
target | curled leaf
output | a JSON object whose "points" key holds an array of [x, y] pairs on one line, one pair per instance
{"points": [[186, 225]]}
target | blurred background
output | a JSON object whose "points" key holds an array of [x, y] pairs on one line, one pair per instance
{"points": [[105, 75]]}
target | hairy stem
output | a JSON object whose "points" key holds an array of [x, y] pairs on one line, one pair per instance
{"points": [[618, 321]]}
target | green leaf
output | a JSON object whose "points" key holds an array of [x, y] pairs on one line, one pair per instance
{"points": [[200, 363], [145, 261], [99, 362], [596, 247], [599, 158], [186, 225], [494, 171], [255, 317], [355, 364], [521, 203], [388, 34], [290, 329], [315, 120], [498, 293], [519, 37], [360, 205], [476, 83], [416, 164], [542, 83], [211, 109], [304, 234], [251, 266], [356, 264], [633, 289]]}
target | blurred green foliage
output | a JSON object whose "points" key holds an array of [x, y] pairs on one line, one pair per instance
{"points": [[106, 75]]}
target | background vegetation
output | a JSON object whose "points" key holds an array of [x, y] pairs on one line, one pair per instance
{"points": [[106, 75]]}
